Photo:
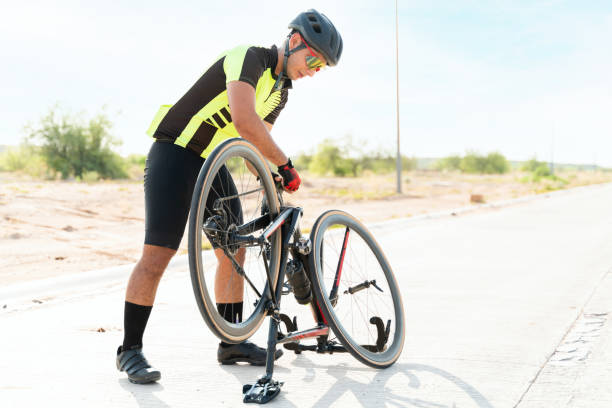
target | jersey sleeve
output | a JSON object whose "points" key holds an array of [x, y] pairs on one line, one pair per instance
{"points": [[272, 116], [243, 64]]}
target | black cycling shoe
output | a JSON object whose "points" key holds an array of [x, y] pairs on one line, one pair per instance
{"points": [[246, 352], [134, 363]]}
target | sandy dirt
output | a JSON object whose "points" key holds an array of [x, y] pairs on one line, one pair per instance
{"points": [[50, 228]]}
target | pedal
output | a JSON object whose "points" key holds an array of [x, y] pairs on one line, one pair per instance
{"points": [[262, 392], [297, 348]]}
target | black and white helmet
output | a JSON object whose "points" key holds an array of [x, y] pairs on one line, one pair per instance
{"points": [[319, 32]]}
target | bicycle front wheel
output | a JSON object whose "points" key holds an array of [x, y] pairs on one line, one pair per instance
{"points": [[228, 274], [356, 289]]}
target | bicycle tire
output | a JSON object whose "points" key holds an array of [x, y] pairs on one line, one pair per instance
{"points": [[337, 249], [229, 155]]}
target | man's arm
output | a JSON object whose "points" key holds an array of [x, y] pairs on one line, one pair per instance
{"points": [[241, 98]]}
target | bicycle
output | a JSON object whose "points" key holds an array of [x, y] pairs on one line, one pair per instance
{"points": [[339, 270]]}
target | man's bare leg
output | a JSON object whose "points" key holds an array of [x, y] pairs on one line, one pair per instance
{"points": [[139, 299], [229, 290], [147, 273], [229, 286]]}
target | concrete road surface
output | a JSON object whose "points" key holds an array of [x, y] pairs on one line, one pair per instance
{"points": [[507, 306]]}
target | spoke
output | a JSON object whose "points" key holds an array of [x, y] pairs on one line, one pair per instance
{"points": [[360, 269], [237, 195]]}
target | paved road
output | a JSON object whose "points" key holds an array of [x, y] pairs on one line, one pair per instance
{"points": [[505, 307]]}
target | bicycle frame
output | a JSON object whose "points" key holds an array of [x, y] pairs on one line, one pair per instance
{"points": [[286, 223]]}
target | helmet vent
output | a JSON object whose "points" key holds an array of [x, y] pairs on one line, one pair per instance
{"points": [[311, 17], [317, 28]]}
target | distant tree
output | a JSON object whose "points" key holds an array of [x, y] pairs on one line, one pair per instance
{"points": [[73, 146], [493, 163], [450, 163], [302, 161], [329, 159], [496, 163], [532, 164], [409, 163]]}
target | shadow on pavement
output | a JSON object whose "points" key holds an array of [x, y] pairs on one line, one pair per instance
{"points": [[415, 379], [144, 394]]}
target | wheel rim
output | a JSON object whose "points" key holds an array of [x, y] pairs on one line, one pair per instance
{"points": [[248, 194], [351, 313]]}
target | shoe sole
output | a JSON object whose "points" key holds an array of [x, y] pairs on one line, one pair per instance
{"points": [[242, 360], [146, 380], [233, 361]]}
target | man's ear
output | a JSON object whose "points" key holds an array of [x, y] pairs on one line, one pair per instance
{"points": [[294, 40]]}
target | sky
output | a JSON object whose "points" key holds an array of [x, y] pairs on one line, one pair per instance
{"points": [[524, 78]]}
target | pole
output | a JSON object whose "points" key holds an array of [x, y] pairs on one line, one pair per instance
{"points": [[552, 151], [397, 113]]}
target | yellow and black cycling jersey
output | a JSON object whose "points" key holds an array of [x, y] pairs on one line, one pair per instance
{"points": [[202, 119]]}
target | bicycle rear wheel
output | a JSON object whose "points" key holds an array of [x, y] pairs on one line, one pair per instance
{"points": [[356, 289], [228, 202]]}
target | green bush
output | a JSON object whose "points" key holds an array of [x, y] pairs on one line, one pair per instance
{"points": [[409, 163], [493, 163], [302, 161], [329, 160], [137, 160], [472, 162], [449, 163], [345, 158], [531, 165], [72, 146], [26, 159], [540, 170], [90, 177], [15, 158]]}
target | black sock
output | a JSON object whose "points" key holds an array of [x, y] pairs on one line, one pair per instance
{"points": [[135, 319], [232, 312]]}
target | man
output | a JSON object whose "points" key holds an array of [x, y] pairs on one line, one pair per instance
{"points": [[240, 95]]}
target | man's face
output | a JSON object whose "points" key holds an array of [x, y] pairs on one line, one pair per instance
{"points": [[296, 65]]}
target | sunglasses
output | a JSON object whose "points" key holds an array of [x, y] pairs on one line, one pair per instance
{"points": [[312, 60]]}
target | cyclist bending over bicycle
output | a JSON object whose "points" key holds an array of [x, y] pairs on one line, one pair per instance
{"points": [[240, 95]]}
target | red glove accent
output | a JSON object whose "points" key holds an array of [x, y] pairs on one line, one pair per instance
{"points": [[291, 178]]}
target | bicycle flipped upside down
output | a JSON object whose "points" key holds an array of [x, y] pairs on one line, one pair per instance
{"points": [[339, 270]]}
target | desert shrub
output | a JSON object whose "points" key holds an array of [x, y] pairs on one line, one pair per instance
{"points": [[73, 146], [381, 163], [378, 163], [493, 163], [15, 158], [449, 163], [330, 160], [540, 170], [496, 163], [26, 159], [532, 164], [472, 162], [137, 160], [346, 158], [302, 161], [134, 166], [409, 163], [90, 177]]}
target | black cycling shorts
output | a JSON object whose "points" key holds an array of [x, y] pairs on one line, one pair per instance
{"points": [[170, 175]]}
